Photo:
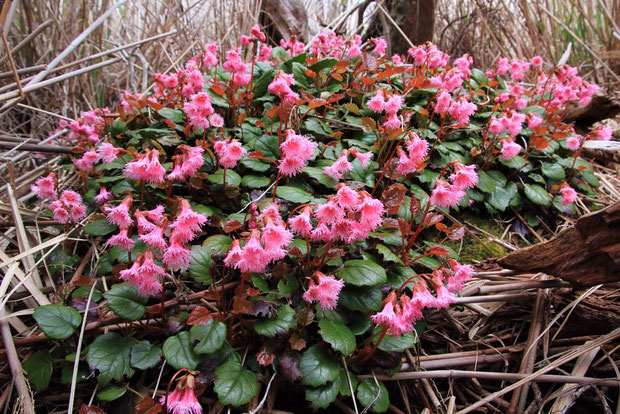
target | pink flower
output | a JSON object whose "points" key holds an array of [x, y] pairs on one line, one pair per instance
{"points": [[325, 292], [122, 240], [339, 166], [301, 223], [444, 101], [386, 316], [229, 152], [393, 122], [61, 215], [422, 296], [363, 157], [71, 198], [216, 121], [187, 163], [297, 150], [380, 46], [603, 133], [574, 142], [155, 237], [569, 195], [445, 195], [406, 165], [104, 196], [461, 110], [465, 176], [321, 233], [417, 147], [496, 127], [146, 168], [329, 212], [346, 197], [87, 162], [537, 61], [534, 121], [187, 223], [108, 152], [176, 256], [78, 212], [377, 102], [510, 149], [444, 297], [275, 236], [393, 104], [45, 187], [234, 254], [119, 215], [144, 275], [371, 211], [253, 258], [183, 400], [281, 84]]}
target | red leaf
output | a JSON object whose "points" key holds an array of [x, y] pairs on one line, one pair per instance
{"points": [[148, 406], [199, 315], [392, 197], [297, 343], [90, 409], [265, 357]]}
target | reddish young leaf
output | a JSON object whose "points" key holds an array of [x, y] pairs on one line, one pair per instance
{"points": [[392, 197], [199, 315], [297, 342], [148, 406], [265, 357]]}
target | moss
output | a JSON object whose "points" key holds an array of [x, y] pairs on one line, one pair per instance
{"points": [[472, 250]]}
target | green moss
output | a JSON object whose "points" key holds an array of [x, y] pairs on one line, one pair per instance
{"points": [[472, 250]]}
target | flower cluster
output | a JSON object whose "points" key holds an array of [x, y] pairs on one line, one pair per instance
{"points": [[69, 207]]}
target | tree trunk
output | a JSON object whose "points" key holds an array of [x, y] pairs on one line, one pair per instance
{"points": [[285, 18]]}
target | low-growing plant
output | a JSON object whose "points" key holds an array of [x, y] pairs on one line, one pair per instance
{"points": [[283, 213]]}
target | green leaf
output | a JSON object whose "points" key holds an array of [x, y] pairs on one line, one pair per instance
{"points": [[268, 145], [288, 284], [111, 393], [39, 369], [324, 63], [501, 197], [299, 72], [537, 195], [396, 343], [125, 302], [388, 255], [200, 264], [367, 392], [83, 292], [553, 170], [364, 299], [293, 194], [179, 353], [322, 397], [589, 177], [57, 321], [284, 322], [254, 181], [319, 175], [232, 178], [175, 115], [110, 353], [337, 335], [210, 336], [122, 187], [261, 85], [99, 228], [235, 385], [318, 367], [255, 165], [220, 243], [362, 273], [145, 355], [485, 182]]}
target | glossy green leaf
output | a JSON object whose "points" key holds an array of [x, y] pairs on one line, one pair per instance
{"points": [[39, 367], [362, 273], [368, 391], [179, 353], [210, 336], [200, 264], [110, 353], [338, 335], [281, 324], [145, 355], [125, 302], [57, 321], [99, 228], [537, 195], [235, 385], [293, 194], [318, 367]]}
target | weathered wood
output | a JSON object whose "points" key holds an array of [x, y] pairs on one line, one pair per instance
{"points": [[585, 255], [287, 18], [607, 151], [594, 315], [600, 108]]}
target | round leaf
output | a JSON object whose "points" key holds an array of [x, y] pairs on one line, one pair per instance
{"points": [[219, 243], [111, 393], [200, 264], [363, 273], [284, 322], [318, 367], [125, 302], [293, 194], [337, 335], [364, 299], [39, 369], [99, 228], [211, 336], [57, 321], [537, 195], [235, 385], [321, 397], [367, 392], [144, 355], [111, 354], [179, 353]]}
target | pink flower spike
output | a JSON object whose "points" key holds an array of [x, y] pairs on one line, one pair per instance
{"points": [[176, 256], [377, 102], [574, 142], [347, 198], [329, 212], [234, 254], [253, 257], [155, 237], [393, 104], [446, 196], [326, 292], [45, 187], [61, 215], [104, 196], [107, 152], [301, 223], [444, 297], [510, 149], [386, 315], [464, 177], [275, 237], [187, 223], [229, 152], [183, 400], [417, 147], [122, 240], [569, 195], [363, 157], [119, 215]]}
